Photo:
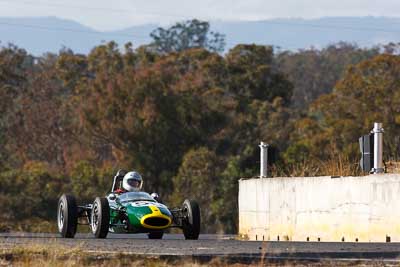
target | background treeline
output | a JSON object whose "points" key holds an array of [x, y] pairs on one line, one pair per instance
{"points": [[186, 117]]}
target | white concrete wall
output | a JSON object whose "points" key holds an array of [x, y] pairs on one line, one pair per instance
{"points": [[364, 208]]}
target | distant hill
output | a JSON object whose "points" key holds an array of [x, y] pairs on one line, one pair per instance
{"points": [[300, 33], [50, 34]]}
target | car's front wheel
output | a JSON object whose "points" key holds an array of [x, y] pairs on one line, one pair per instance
{"points": [[67, 216], [191, 221], [100, 217]]}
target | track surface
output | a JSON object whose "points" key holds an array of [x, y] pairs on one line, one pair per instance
{"points": [[214, 246]]}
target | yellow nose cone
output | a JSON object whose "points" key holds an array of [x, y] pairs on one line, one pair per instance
{"points": [[155, 219]]}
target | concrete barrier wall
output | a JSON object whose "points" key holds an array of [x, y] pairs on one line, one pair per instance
{"points": [[364, 209]]}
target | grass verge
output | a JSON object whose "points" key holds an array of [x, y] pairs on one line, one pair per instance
{"points": [[58, 255], [55, 255]]}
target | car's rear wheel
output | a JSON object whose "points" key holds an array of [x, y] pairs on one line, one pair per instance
{"points": [[156, 235], [100, 217], [67, 216], [191, 221]]}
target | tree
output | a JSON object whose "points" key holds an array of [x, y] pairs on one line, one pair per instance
{"points": [[315, 72], [260, 96], [369, 92], [88, 180], [149, 114], [39, 188], [251, 75], [40, 127], [185, 35], [199, 170], [15, 64]]}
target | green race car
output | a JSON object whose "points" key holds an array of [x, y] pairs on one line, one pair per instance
{"points": [[130, 212]]}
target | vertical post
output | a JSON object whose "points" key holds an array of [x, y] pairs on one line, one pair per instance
{"points": [[263, 159], [378, 148]]}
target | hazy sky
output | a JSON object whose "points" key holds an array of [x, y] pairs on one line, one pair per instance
{"points": [[115, 14]]}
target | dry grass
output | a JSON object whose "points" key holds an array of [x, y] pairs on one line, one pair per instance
{"points": [[54, 255], [57, 255], [32, 225], [336, 166], [35, 225], [393, 166], [340, 167]]}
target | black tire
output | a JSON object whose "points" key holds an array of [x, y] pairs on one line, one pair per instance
{"points": [[156, 235], [100, 217], [67, 216], [191, 222]]}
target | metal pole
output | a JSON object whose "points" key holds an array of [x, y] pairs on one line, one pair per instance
{"points": [[263, 159], [378, 148]]}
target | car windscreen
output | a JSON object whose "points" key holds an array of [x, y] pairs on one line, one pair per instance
{"points": [[136, 196]]}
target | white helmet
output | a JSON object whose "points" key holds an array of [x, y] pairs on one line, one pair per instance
{"points": [[132, 181]]}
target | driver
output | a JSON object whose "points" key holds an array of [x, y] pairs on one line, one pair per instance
{"points": [[132, 182]]}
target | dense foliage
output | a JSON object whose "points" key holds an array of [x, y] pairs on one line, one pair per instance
{"points": [[189, 120], [186, 35]]}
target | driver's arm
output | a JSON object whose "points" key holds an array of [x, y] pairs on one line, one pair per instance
{"points": [[119, 191]]}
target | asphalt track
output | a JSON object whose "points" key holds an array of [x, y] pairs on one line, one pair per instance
{"points": [[212, 246]]}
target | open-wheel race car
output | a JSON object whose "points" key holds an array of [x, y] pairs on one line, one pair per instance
{"points": [[130, 212]]}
